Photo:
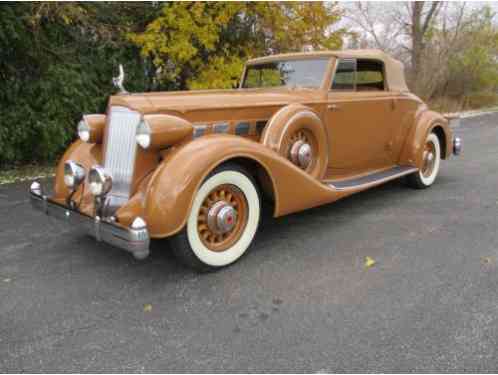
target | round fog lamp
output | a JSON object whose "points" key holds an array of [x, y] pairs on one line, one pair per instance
{"points": [[74, 174], [100, 181]]}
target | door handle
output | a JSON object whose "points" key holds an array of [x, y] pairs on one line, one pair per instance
{"points": [[333, 107]]}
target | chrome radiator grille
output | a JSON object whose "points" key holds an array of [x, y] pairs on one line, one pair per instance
{"points": [[120, 152]]}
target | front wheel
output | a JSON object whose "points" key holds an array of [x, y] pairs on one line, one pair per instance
{"points": [[222, 221], [431, 160]]}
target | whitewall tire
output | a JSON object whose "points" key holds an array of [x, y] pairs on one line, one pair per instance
{"points": [[431, 161], [222, 222]]}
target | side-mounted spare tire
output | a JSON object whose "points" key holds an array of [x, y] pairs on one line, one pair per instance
{"points": [[297, 133]]}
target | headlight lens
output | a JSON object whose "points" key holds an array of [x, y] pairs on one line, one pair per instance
{"points": [[84, 131], [100, 181], [143, 135], [74, 174]]}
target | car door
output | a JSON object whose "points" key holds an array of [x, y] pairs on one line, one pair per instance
{"points": [[360, 118]]}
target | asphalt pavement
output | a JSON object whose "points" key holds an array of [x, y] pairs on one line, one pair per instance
{"points": [[301, 300]]}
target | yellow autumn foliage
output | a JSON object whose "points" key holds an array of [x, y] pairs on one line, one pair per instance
{"points": [[199, 45]]}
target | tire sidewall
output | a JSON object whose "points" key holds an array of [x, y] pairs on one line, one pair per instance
{"points": [[429, 180], [223, 258]]}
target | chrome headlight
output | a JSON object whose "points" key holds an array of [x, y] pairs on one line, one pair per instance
{"points": [[100, 181], [91, 128], [74, 174], [84, 131], [143, 135]]}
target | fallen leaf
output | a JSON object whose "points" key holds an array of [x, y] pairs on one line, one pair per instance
{"points": [[147, 307], [486, 260], [369, 262]]}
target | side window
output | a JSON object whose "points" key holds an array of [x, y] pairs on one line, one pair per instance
{"points": [[369, 75], [344, 77], [262, 78]]}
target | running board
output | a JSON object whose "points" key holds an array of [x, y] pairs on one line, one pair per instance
{"points": [[372, 179]]}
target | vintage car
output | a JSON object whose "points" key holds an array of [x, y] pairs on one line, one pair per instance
{"points": [[302, 130]]}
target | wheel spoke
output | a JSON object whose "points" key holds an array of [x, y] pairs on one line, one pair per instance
{"points": [[212, 236]]}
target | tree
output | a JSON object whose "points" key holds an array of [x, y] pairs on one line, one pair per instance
{"points": [[422, 14], [203, 45], [441, 43], [57, 60]]}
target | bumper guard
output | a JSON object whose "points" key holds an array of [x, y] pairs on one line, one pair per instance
{"points": [[133, 240]]}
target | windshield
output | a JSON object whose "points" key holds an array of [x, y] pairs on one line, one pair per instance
{"points": [[290, 73]]}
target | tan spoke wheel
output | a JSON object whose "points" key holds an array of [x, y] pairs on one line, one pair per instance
{"points": [[302, 149], [222, 217], [222, 221], [429, 166]]}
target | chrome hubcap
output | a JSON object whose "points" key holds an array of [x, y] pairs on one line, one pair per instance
{"points": [[429, 159], [221, 217], [301, 154]]}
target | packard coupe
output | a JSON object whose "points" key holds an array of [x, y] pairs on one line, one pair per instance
{"points": [[302, 129]]}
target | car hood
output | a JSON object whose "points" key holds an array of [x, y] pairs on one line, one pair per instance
{"points": [[185, 101]]}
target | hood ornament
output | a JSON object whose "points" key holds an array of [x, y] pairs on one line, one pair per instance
{"points": [[118, 81]]}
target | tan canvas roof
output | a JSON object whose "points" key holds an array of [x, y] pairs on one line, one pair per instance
{"points": [[394, 69]]}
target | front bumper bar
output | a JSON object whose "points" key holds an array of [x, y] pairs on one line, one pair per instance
{"points": [[133, 240]]}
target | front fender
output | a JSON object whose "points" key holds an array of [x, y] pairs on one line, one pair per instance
{"points": [[171, 188], [425, 123]]}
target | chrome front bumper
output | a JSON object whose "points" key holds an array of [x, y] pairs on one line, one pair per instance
{"points": [[133, 240]]}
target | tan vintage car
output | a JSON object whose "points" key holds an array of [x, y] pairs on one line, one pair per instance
{"points": [[302, 130]]}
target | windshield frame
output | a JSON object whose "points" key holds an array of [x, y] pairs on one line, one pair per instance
{"points": [[325, 78]]}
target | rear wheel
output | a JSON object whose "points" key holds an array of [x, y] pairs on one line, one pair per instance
{"points": [[222, 222], [431, 160]]}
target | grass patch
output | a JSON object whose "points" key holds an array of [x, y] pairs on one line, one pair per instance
{"points": [[24, 173]]}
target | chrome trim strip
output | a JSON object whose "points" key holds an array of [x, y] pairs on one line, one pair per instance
{"points": [[135, 241], [373, 178]]}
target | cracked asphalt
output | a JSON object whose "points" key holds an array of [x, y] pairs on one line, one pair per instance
{"points": [[301, 300]]}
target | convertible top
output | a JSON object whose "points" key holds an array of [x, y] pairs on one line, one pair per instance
{"points": [[394, 68]]}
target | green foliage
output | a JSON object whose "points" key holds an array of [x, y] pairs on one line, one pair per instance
{"points": [[474, 69], [263, 78], [57, 60]]}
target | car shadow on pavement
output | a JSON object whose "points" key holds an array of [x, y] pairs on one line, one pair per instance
{"points": [[332, 212], [273, 233]]}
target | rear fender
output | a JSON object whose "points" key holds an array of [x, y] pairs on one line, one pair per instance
{"points": [[426, 122], [169, 193]]}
